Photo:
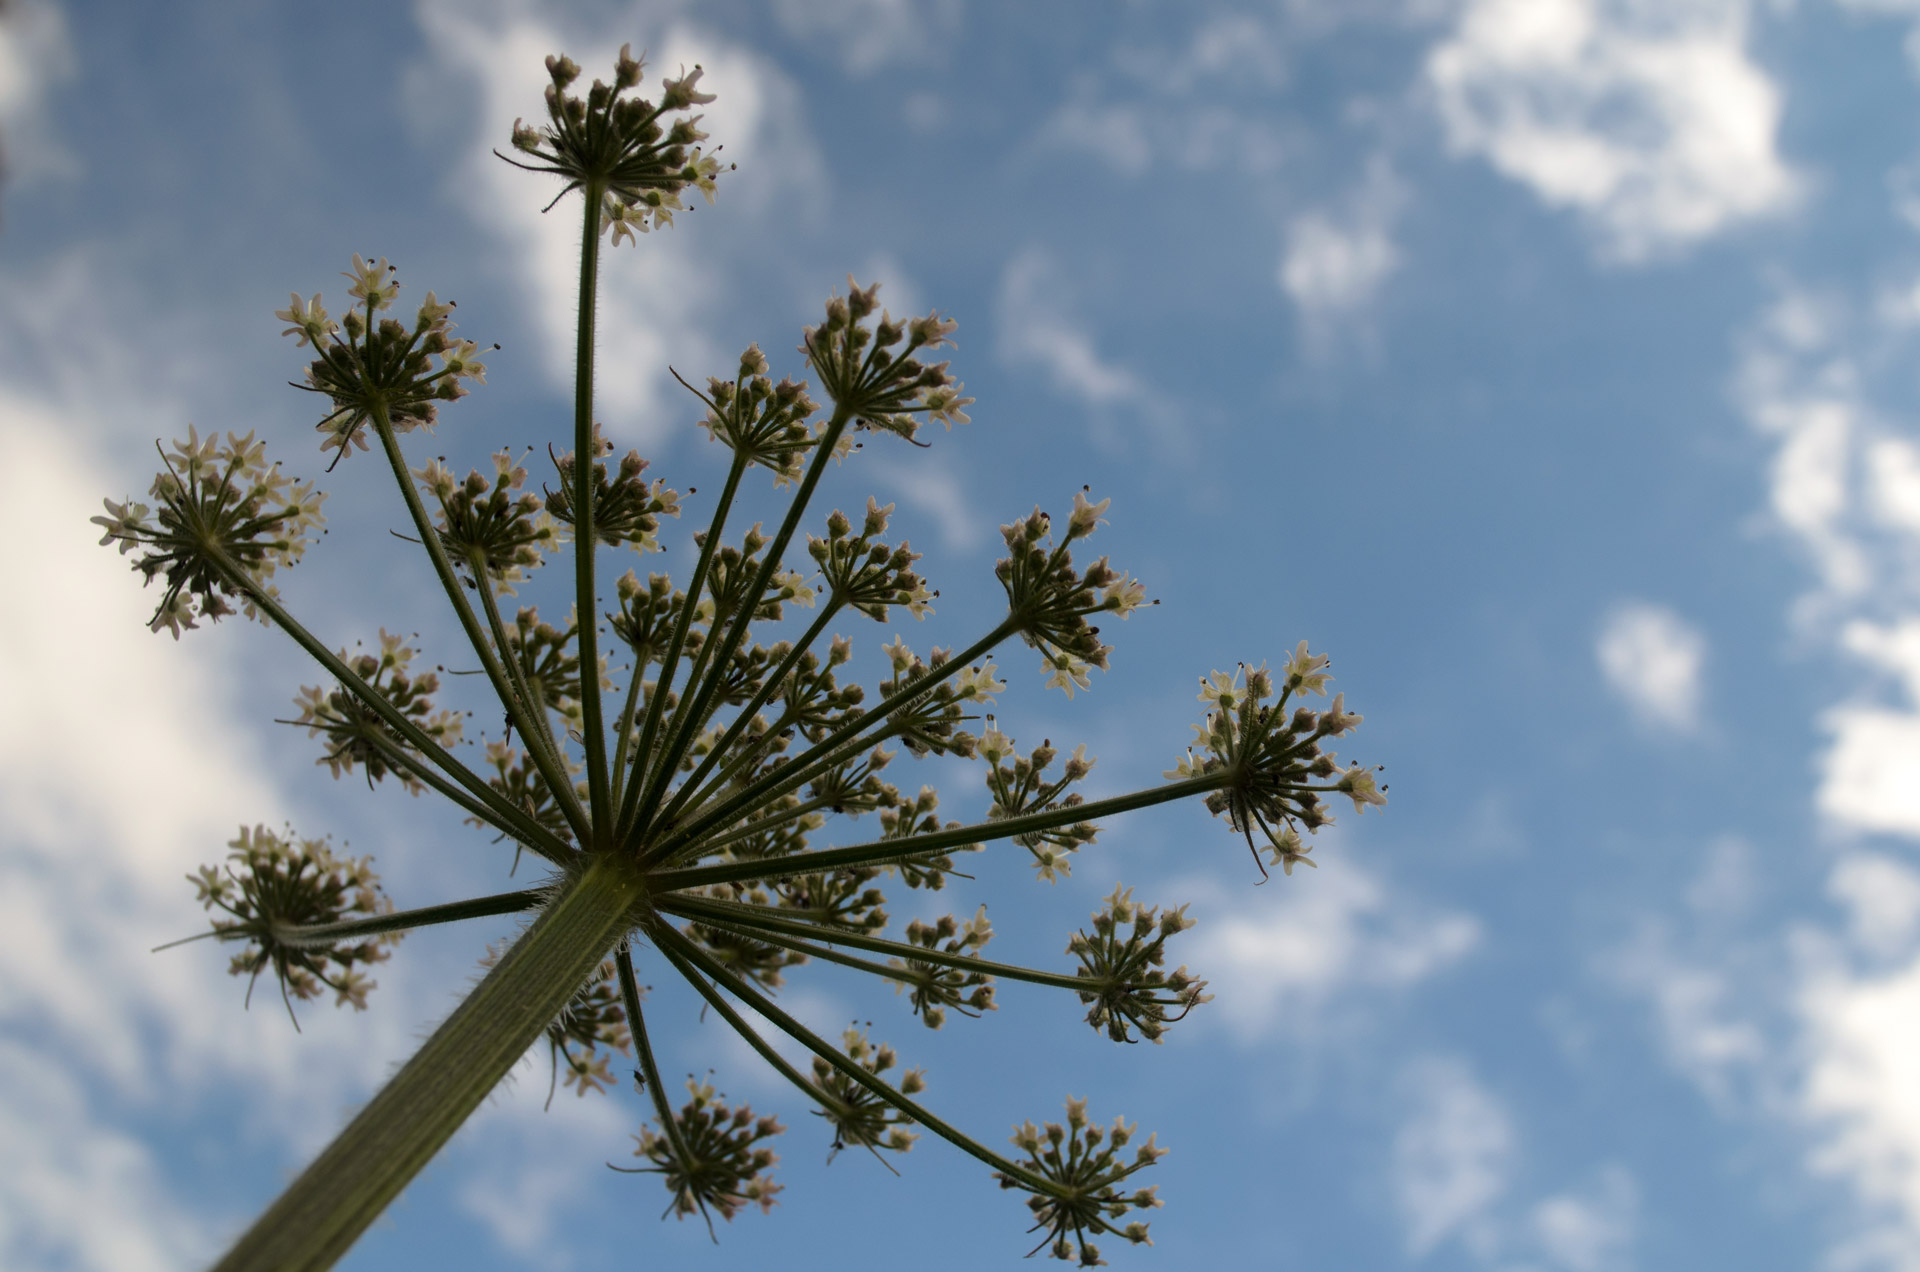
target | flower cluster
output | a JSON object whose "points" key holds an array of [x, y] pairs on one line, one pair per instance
{"points": [[384, 372], [624, 147], [762, 422], [1019, 784], [861, 1119], [490, 525], [1277, 768], [935, 985], [626, 508], [1121, 962], [358, 736], [1073, 1174], [873, 373], [865, 574], [546, 660], [226, 520], [280, 893], [711, 1156], [1051, 601]]}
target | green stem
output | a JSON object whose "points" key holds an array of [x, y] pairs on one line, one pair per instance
{"points": [[693, 708], [746, 1031], [884, 851], [672, 941], [450, 581], [767, 922], [740, 723], [323, 934], [643, 1048], [809, 765], [586, 602], [319, 1217], [406, 765], [541, 745], [509, 816], [649, 732]]}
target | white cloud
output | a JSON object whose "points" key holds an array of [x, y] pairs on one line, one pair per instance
{"points": [[1882, 898], [1591, 1230], [934, 492], [1452, 1158], [84, 1195], [1893, 467], [1863, 1035], [1645, 116], [1697, 1007], [655, 299], [869, 34], [1335, 261], [1653, 658], [1285, 962], [35, 54], [1037, 331], [1870, 778]]}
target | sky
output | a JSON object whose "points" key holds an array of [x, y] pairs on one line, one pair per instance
{"points": [[1551, 364]]}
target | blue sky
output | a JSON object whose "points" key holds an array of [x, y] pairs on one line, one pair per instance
{"points": [[1550, 363]]}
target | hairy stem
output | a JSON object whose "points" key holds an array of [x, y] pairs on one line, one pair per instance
{"points": [[506, 815], [323, 934], [672, 940], [885, 851], [586, 602], [767, 923], [319, 1217], [469, 622]]}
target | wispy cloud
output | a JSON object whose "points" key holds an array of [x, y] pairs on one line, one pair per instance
{"points": [[1331, 937], [1038, 329], [1337, 259], [35, 55], [1651, 121], [1653, 659], [1452, 1158], [867, 35]]}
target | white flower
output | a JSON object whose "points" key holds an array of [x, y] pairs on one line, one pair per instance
{"points": [[309, 321], [1069, 673], [995, 746], [1221, 687], [459, 362], [437, 479], [978, 684], [1124, 596], [1303, 672], [898, 654], [1086, 515], [1357, 785], [370, 283], [679, 94], [792, 587], [1336, 719]]}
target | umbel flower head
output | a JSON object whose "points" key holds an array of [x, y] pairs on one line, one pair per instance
{"points": [[712, 792], [280, 894], [223, 515]]}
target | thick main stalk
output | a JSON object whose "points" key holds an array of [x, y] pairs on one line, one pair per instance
{"points": [[325, 1210]]}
